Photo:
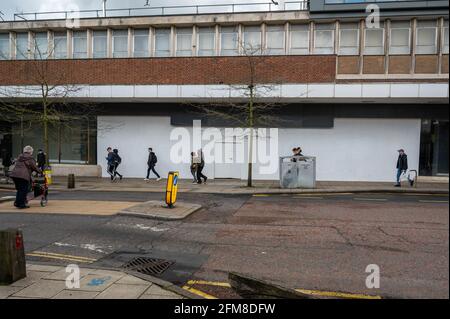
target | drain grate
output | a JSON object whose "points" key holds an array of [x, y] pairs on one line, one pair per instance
{"points": [[148, 266]]}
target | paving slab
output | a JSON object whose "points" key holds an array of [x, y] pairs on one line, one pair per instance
{"points": [[159, 210], [6, 291], [76, 294], [97, 282], [122, 291], [42, 289]]}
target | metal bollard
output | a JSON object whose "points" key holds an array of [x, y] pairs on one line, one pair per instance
{"points": [[12, 256], [71, 181]]}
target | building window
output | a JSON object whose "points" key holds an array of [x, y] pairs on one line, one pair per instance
{"points": [[349, 39], [252, 39], [445, 38], [324, 38], [229, 41], [299, 39], [275, 40], [79, 42], [374, 41], [426, 37], [184, 41], [162, 42], [99, 44], [4, 46], [120, 43], [140, 43], [400, 38], [22, 46], [206, 41], [60, 45], [40, 45]]}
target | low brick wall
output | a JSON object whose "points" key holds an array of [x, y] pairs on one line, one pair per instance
{"points": [[78, 170]]}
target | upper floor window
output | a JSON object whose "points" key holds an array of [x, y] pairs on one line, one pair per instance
{"points": [[162, 42], [4, 46], [324, 38], [252, 39], [400, 37], [79, 44], [229, 41], [275, 39], [22, 48], [99, 44], [445, 38], [374, 41], [426, 37], [40, 45], [140, 43], [206, 41], [349, 39], [120, 43], [299, 39], [184, 41], [60, 45]]}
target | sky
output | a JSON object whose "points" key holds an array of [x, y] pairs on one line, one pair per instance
{"points": [[9, 7]]}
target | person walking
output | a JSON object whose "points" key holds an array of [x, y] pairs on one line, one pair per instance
{"points": [[21, 175], [200, 167], [41, 159], [110, 163], [117, 160], [151, 163], [6, 162], [402, 165], [194, 166]]}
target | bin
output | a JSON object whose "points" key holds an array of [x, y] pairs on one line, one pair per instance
{"points": [[297, 172]]}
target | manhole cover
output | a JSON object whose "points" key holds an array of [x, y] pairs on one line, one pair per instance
{"points": [[148, 266]]}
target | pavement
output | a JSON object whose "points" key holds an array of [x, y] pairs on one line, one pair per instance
{"points": [[232, 186], [49, 282]]}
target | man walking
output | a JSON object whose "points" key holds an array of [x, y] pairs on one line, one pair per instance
{"points": [[151, 163], [402, 165], [41, 159], [200, 168]]}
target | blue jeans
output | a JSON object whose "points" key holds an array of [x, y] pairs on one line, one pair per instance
{"points": [[399, 173]]}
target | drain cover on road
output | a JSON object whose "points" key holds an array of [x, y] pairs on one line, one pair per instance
{"points": [[148, 266]]}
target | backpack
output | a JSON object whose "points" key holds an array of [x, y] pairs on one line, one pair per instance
{"points": [[155, 159], [117, 159]]}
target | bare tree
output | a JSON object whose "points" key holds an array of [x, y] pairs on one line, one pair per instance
{"points": [[254, 105], [45, 100]]}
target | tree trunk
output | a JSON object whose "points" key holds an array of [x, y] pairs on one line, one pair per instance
{"points": [[250, 143]]}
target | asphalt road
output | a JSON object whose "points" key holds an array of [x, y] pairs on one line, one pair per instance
{"points": [[321, 242]]}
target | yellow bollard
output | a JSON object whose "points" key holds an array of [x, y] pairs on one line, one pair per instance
{"points": [[48, 175], [172, 188]]}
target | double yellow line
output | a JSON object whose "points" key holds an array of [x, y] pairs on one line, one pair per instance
{"points": [[44, 254], [333, 294]]}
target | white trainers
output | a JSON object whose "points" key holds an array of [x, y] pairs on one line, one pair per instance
{"points": [[146, 179], [158, 179]]}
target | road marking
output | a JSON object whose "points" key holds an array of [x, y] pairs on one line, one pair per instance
{"points": [[209, 283], [61, 256], [308, 197], [304, 291], [433, 201], [371, 199], [336, 294], [261, 195], [199, 293]]}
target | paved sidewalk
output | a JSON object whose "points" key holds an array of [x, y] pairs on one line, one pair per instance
{"points": [[48, 282], [228, 186]]}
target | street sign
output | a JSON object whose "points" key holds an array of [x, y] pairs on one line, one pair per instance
{"points": [[172, 188]]}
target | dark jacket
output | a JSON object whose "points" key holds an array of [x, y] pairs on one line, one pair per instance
{"points": [[151, 159], [25, 165], [41, 159], [402, 162]]}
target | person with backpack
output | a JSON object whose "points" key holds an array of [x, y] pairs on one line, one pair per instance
{"points": [[117, 160], [41, 159], [200, 167], [151, 163], [402, 165]]}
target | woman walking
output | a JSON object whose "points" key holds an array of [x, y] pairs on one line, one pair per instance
{"points": [[21, 175]]}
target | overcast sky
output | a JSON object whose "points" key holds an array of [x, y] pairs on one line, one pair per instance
{"points": [[9, 7]]}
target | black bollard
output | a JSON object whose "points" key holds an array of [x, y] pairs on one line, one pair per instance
{"points": [[12, 256], [71, 181]]}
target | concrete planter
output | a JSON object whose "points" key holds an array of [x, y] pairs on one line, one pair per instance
{"points": [[77, 170]]}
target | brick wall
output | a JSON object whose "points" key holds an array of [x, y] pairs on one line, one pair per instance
{"points": [[427, 64], [373, 64], [444, 67], [348, 65], [399, 64], [208, 70]]}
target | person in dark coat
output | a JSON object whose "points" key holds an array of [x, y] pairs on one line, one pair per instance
{"points": [[6, 162], [41, 159], [21, 175], [402, 165], [116, 161], [151, 163]]}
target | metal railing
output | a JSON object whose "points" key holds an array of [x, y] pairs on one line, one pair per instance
{"points": [[300, 5]]}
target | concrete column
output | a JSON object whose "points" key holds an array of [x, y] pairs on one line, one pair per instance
{"points": [[240, 40], [109, 43], [362, 41], [218, 45], [311, 37], [151, 41], [337, 35], [173, 41], [387, 40], [130, 43], [263, 39], [51, 45], [12, 45], [440, 43], [287, 38], [69, 44], [413, 46], [30, 52], [194, 41], [90, 44]]}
